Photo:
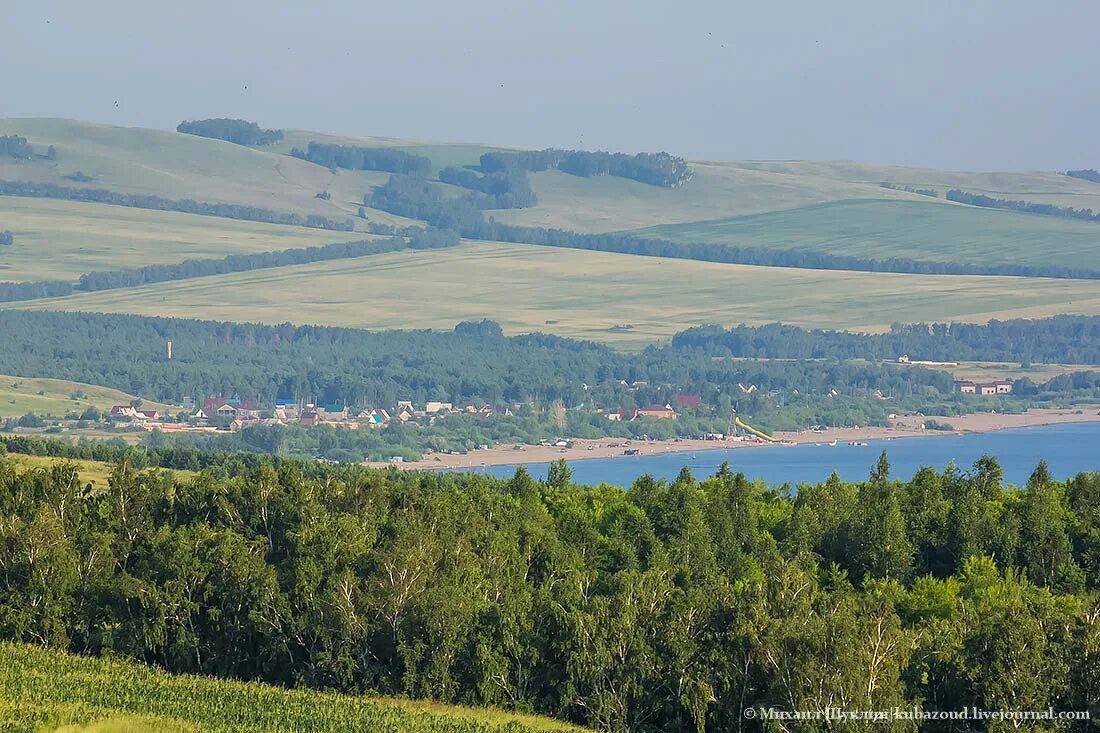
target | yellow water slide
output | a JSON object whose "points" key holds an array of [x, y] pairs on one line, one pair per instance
{"points": [[754, 431]]}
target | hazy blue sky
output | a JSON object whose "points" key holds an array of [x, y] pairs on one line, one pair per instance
{"points": [[981, 84]]}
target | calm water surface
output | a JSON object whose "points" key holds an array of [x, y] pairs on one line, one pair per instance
{"points": [[1068, 450]]}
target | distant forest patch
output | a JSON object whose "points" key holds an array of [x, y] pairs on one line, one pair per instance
{"points": [[14, 146], [356, 158], [1085, 174], [1025, 207], [241, 132], [910, 189], [655, 169]]}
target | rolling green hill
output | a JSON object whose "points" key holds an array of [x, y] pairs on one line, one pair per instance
{"points": [[915, 229], [613, 298], [57, 397], [832, 206], [63, 239], [47, 691]]}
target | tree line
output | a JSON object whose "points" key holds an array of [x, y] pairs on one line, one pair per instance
{"points": [[132, 277], [502, 190], [378, 368], [655, 169], [1059, 339], [417, 238], [418, 198], [671, 606], [241, 132], [931, 192], [1085, 174], [1025, 207], [147, 201], [356, 158]]}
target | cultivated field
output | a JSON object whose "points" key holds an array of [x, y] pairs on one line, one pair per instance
{"points": [[618, 299], [57, 397], [64, 239], [921, 230], [44, 690]]}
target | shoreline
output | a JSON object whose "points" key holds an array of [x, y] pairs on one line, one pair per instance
{"points": [[903, 427]]}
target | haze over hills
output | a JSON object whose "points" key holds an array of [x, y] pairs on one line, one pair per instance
{"points": [[810, 209]]}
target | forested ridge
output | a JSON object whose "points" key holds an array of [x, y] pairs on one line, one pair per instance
{"points": [[416, 197], [474, 362], [1059, 339], [671, 606], [1025, 207], [551, 386]]}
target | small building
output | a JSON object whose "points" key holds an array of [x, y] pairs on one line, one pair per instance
{"points": [[433, 407], [965, 386], [121, 411]]}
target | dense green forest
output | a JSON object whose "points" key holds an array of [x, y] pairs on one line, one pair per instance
{"points": [[1026, 207], [1060, 339], [241, 132], [528, 376], [469, 364], [356, 158], [416, 197], [671, 606]]}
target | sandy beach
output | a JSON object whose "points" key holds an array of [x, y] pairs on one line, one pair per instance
{"points": [[902, 427]]}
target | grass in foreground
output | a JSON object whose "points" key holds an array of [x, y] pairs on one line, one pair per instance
{"points": [[917, 230], [623, 300], [44, 690], [56, 397], [61, 240]]}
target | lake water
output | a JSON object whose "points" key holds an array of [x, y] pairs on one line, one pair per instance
{"points": [[1068, 450]]}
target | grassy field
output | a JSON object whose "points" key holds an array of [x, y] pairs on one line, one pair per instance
{"points": [[987, 371], [47, 691], [177, 166], [91, 472], [583, 294], [915, 229], [64, 239], [723, 190], [20, 395]]}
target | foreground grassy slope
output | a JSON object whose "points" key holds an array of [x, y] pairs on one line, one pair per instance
{"points": [[20, 395], [583, 294], [914, 229], [43, 690], [64, 239]]}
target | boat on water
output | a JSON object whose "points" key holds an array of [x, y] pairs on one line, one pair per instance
{"points": [[833, 444]]}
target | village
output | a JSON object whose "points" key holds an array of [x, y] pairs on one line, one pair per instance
{"points": [[232, 414]]}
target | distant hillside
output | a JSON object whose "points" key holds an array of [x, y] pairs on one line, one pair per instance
{"points": [[42, 690], [920, 230]]}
